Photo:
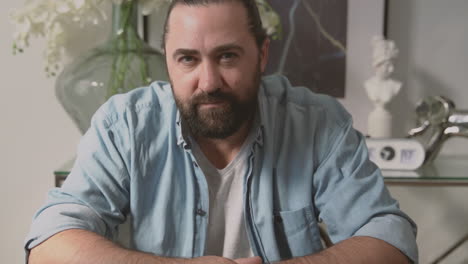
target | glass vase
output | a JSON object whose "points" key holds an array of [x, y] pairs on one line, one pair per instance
{"points": [[122, 63]]}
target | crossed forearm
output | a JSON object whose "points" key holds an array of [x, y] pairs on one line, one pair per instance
{"points": [[79, 246], [355, 250]]}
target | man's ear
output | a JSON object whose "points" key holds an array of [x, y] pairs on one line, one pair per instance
{"points": [[264, 54]]}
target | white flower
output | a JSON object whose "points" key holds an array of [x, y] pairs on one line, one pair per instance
{"points": [[63, 7], [270, 19], [49, 19]]}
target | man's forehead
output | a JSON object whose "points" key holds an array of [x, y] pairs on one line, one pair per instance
{"points": [[205, 28], [188, 18]]}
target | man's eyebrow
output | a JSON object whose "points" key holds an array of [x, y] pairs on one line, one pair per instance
{"points": [[228, 47], [184, 52], [219, 49]]}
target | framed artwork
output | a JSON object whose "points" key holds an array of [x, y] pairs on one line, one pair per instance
{"points": [[317, 40], [313, 48]]}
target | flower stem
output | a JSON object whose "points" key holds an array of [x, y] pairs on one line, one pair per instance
{"points": [[127, 48]]}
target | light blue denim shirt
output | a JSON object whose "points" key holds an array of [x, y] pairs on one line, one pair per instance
{"points": [[307, 165]]}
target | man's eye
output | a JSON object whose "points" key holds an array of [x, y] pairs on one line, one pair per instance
{"points": [[228, 57], [189, 60]]}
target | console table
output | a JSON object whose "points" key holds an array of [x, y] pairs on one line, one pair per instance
{"points": [[444, 171]]}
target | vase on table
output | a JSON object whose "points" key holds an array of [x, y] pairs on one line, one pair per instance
{"points": [[122, 63]]}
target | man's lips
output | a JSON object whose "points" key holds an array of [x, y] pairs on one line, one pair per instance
{"points": [[213, 103]]}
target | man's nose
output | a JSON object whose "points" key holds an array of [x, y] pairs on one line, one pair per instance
{"points": [[210, 78]]}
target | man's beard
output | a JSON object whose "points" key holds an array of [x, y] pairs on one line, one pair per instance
{"points": [[221, 121]]}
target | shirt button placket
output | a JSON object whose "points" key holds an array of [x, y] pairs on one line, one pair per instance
{"points": [[200, 232], [201, 215]]}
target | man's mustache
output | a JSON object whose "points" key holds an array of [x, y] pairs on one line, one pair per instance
{"points": [[208, 98]]}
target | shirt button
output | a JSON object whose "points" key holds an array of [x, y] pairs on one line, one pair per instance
{"points": [[200, 212], [195, 164]]}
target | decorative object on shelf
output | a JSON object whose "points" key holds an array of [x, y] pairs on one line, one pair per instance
{"points": [[438, 120], [396, 153], [381, 88], [124, 62], [121, 64]]}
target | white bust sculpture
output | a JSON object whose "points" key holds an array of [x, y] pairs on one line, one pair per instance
{"points": [[381, 88]]}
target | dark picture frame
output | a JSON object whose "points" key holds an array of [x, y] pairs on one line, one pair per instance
{"points": [[312, 49]]}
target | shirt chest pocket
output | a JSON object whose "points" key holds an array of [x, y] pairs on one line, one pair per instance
{"points": [[297, 233]]}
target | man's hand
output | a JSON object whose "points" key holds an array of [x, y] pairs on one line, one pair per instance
{"points": [[252, 260]]}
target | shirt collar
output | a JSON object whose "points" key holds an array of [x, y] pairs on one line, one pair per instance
{"points": [[182, 139], [261, 115]]}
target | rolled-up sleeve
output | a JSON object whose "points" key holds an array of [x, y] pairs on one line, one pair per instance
{"points": [[61, 217], [352, 199], [395, 230], [95, 196]]}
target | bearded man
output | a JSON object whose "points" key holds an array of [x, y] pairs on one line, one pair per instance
{"points": [[221, 165]]}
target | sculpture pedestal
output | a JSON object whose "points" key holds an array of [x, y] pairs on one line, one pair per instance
{"points": [[379, 123]]}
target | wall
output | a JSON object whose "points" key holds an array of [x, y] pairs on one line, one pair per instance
{"points": [[432, 38], [36, 136], [433, 41], [433, 59]]}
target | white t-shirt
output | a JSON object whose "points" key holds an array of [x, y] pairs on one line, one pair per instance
{"points": [[227, 236]]}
